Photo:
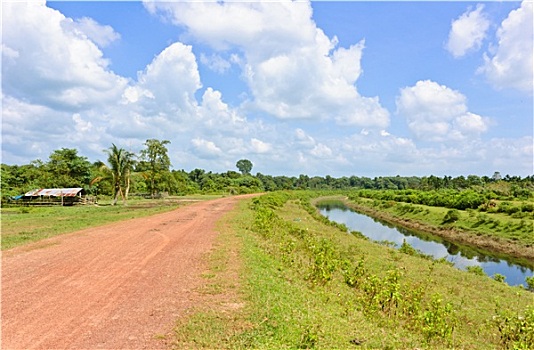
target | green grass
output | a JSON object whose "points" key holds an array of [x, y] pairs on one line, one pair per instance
{"points": [[512, 236], [498, 225], [22, 225], [294, 286]]}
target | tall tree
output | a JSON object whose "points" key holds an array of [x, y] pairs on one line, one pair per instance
{"points": [[156, 163], [67, 169], [120, 165], [244, 166]]}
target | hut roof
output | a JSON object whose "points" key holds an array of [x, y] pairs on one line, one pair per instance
{"points": [[54, 192]]}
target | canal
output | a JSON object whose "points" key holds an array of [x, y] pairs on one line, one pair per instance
{"points": [[461, 257]]}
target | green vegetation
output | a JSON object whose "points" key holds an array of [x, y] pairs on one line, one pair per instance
{"points": [[244, 166], [155, 164], [149, 172], [22, 225], [306, 283], [503, 231], [296, 280], [119, 172]]}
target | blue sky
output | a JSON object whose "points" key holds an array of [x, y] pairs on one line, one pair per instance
{"points": [[320, 88]]}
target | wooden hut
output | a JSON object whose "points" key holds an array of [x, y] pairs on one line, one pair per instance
{"points": [[54, 196]]}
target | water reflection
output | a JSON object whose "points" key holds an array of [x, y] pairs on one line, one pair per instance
{"points": [[460, 256]]}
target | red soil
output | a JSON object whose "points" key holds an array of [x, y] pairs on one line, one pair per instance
{"points": [[119, 286]]}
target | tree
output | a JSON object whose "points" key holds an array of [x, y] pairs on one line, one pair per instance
{"points": [[120, 166], [244, 166], [156, 163], [66, 169]]}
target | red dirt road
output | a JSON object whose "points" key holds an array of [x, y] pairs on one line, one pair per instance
{"points": [[119, 286]]}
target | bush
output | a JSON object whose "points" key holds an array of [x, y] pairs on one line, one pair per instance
{"points": [[477, 270], [530, 283], [498, 277], [451, 216], [515, 331]]}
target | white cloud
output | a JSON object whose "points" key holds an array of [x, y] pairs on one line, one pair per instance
{"points": [[205, 148], [467, 32], [58, 90], [215, 62], [81, 125], [55, 65], [321, 151], [510, 64], [31, 131], [437, 113], [170, 81], [304, 139], [89, 28], [259, 146], [281, 24], [292, 68]]}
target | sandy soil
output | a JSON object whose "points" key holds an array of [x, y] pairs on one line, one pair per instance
{"points": [[119, 286]]}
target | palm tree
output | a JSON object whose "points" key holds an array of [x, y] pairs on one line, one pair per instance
{"points": [[120, 164]]}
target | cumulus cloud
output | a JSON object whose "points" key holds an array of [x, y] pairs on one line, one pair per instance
{"points": [[171, 80], [467, 32], [437, 113], [89, 28], [321, 151], [509, 63], [161, 102], [205, 148], [57, 65], [302, 138], [31, 131], [215, 62], [293, 70], [218, 115], [58, 89], [259, 146]]}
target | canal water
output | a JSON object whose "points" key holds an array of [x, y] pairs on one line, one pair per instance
{"points": [[461, 257]]}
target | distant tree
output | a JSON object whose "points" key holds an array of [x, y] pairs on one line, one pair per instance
{"points": [[196, 175], [474, 180], [303, 181], [496, 176], [155, 163], [244, 166]]}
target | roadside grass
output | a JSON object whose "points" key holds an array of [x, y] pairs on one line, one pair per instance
{"points": [[22, 225], [216, 319], [306, 283]]}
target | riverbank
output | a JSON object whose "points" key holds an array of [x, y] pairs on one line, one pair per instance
{"points": [[489, 243], [282, 277]]}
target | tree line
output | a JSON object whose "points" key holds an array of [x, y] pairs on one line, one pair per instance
{"points": [[149, 173]]}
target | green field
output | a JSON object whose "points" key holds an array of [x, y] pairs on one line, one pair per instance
{"points": [[304, 283], [282, 276], [21, 225]]}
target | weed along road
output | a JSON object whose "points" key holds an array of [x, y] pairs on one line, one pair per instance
{"points": [[119, 286]]}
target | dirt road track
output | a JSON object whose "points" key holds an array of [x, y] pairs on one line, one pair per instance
{"points": [[118, 286]]}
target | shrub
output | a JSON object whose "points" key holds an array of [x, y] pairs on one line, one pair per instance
{"points": [[515, 331], [498, 277], [477, 270], [530, 283], [451, 216], [438, 319]]}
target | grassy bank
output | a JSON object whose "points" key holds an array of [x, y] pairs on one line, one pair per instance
{"points": [[21, 225], [494, 232], [284, 277]]}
